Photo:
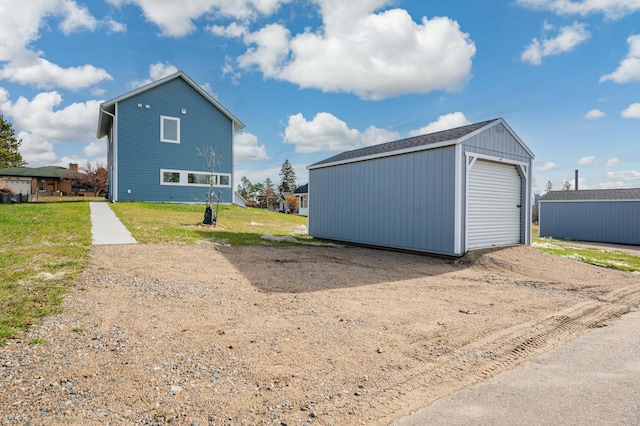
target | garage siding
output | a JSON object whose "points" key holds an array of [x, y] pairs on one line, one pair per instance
{"points": [[497, 141], [598, 221], [404, 201]]}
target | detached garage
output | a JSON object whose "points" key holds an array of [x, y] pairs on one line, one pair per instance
{"points": [[445, 193], [600, 215]]}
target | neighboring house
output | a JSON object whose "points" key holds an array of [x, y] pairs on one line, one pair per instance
{"points": [[283, 206], [601, 215], [48, 180], [446, 192], [153, 135], [302, 193]]}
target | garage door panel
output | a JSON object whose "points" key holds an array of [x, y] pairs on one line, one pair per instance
{"points": [[494, 194]]}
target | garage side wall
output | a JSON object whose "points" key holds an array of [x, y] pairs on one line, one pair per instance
{"points": [[497, 141], [600, 221], [405, 201]]}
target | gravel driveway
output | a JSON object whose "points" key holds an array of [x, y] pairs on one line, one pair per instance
{"points": [[200, 335]]}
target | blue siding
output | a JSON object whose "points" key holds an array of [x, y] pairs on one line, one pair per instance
{"points": [[405, 201], [141, 155], [604, 221], [497, 141]]}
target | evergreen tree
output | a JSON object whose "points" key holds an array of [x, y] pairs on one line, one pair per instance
{"points": [[287, 178], [548, 187], [9, 155], [268, 197]]}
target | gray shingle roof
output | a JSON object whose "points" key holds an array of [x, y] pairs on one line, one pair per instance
{"points": [[593, 194], [416, 141], [46, 171], [303, 189]]}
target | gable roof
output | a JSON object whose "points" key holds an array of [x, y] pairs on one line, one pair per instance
{"points": [[43, 172], [302, 189], [593, 195], [416, 143], [107, 108]]}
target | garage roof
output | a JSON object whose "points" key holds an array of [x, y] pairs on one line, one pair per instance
{"points": [[416, 143], [46, 171], [593, 195]]}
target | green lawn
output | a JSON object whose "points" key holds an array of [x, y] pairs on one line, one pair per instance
{"points": [[152, 223], [43, 246]]}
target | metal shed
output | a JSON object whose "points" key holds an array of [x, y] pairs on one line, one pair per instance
{"points": [[602, 215], [445, 193]]}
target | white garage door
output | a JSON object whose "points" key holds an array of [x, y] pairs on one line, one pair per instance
{"points": [[494, 199], [19, 186]]}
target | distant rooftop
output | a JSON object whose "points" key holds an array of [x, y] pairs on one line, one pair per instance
{"points": [[593, 194], [44, 172]]}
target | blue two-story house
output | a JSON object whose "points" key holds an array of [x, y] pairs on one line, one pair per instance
{"points": [[154, 133]]}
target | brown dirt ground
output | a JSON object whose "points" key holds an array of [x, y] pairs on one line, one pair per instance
{"points": [[204, 335]]}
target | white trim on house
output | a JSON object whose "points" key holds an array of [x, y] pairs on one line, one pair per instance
{"points": [[496, 159], [457, 242], [631, 200], [184, 178], [114, 132]]}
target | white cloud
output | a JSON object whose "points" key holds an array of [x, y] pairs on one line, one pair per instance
{"points": [[373, 55], [625, 175], [36, 150], [632, 111], [568, 38], [175, 18], [19, 28], [594, 114], [246, 148], [588, 161], [115, 26], [547, 166], [613, 161], [610, 8], [96, 148], [156, 72], [326, 132], [629, 68], [444, 122]]}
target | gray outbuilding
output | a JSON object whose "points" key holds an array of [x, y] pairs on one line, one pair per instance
{"points": [[445, 192], [599, 215]]}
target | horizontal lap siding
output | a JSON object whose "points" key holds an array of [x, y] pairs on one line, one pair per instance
{"points": [[404, 201], [610, 222], [141, 155]]}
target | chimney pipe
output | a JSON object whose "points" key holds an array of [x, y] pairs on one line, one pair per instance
{"points": [[576, 185]]}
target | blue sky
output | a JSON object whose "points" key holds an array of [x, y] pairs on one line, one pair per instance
{"points": [[316, 77]]}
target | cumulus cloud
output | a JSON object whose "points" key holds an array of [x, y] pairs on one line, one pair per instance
{"points": [[326, 132], [444, 122], [612, 9], [373, 55], [625, 175], [175, 18], [613, 161], [156, 72], [568, 39], [115, 26], [594, 114], [246, 148], [629, 68], [632, 111], [96, 148], [588, 161], [547, 166], [36, 149], [19, 28]]}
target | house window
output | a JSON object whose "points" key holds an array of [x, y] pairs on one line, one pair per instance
{"points": [[304, 202], [169, 129], [42, 185], [192, 178], [171, 177]]}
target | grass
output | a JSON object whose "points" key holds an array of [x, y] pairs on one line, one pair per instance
{"points": [[614, 259], [155, 223], [43, 246]]}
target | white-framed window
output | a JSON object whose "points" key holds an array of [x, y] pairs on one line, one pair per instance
{"points": [[169, 129], [304, 202], [194, 178]]}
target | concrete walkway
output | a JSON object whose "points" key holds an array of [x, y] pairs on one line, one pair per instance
{"points": [[106, 228], [593, 380]]}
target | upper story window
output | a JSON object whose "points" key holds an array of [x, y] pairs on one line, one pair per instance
{"points": [[169, 129]]}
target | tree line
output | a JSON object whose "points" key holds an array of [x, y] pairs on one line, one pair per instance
{"points": [[265, 194]]}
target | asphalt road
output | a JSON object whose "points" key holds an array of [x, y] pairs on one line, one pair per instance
{"points": [[593, 380]]}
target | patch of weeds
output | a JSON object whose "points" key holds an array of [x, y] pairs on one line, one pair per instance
{"points": [[38, 341], [160, 415], [78, 330]]}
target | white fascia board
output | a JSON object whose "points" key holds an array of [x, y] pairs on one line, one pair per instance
{"points": [[385, 154], [497, 159], [631, 200], [457, 226]]}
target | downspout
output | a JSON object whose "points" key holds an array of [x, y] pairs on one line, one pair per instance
{"points": [[114, 172]]}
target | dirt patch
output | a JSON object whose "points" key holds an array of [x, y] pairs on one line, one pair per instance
{"points": [[181, 334]]}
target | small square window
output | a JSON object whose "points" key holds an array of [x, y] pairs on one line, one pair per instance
{"points": [[224, 180], [169, 129]]}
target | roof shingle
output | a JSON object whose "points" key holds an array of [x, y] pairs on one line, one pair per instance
{"points": [[593, 195]]}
